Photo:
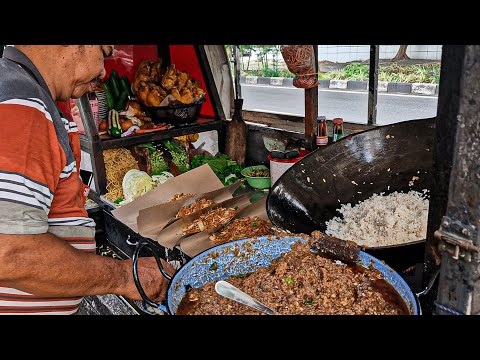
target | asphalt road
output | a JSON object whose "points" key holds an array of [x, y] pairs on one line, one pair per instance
{"points": [[352, 106]]}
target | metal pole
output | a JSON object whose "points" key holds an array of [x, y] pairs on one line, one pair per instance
{"points": [[373, 85], [458, 236], [96, 151]]}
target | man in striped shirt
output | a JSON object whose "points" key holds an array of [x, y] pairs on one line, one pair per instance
{"points": [[47, 244]]}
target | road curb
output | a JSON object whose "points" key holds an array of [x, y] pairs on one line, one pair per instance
{"points": [[383, 86]]}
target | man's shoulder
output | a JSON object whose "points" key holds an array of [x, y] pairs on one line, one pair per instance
{"points": [[15, 83]]}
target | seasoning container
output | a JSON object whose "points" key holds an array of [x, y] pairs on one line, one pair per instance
{"points": [[322, 136], [337, 129]]}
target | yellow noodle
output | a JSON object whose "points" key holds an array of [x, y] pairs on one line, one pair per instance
{"points": [[117, 163]]}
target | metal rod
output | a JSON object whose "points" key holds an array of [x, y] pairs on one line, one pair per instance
{"points": [[373, 85], [96, 157]]}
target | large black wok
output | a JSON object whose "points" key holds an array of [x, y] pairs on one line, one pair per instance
{"points": [[383, 159]]}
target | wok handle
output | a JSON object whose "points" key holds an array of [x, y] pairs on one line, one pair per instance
{"points": [[430, 284], [136, 256]]}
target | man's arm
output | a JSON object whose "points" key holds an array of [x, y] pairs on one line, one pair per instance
{"points": [[46, 266]]}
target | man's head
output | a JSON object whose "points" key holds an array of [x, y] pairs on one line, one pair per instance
{"points": [[68, 70]]}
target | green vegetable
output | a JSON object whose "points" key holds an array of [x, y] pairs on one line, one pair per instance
{"points": [[230, 179], [157, 162], [289, 280], [222, 166], [214, 266], [308, 301], [114, 128], [109, 97], [162, 177], [255, 223], [179, 155], [126, 85], [136, 183], [113, 83], [114, 73], [122, 101]]}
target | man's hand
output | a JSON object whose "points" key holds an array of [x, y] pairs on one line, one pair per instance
{"points": [[153, 282]]}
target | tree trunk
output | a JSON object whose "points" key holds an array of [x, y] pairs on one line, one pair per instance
{"points": [[401, 54]]}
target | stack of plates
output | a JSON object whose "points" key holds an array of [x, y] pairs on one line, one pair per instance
{"points": [[102, 105]]}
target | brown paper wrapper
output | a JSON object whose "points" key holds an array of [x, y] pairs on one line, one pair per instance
{"points": [[195, 244], [151, 221], [196, 181]]}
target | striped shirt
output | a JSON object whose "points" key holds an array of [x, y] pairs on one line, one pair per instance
{"points": [[40, 187]]}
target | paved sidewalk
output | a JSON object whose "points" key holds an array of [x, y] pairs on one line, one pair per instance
{"points": [[383, 86]]}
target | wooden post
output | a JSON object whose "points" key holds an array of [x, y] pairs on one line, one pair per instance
{"points": [[311, 109], [373, 85], [456, 168]]}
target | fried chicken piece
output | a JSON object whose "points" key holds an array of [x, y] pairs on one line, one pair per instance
{"points": [[189, 84], [197, 92], [185, 97], [142, 92], [136, 108], [170, 77], [142, 74], [155, 95], [156, 71], [144, 119], [181, 80]]}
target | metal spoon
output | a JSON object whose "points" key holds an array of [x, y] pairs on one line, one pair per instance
{"points": [[231, 292]]}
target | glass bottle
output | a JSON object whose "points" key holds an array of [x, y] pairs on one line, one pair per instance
{"points": [[322, 136], [337, 129]]}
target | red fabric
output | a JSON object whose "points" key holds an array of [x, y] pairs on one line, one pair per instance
{"points": [[64, 106], [125, 59]]}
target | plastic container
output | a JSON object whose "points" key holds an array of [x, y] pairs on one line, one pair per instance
{"points": [[257, 182], [179, 114], [279, 166]]}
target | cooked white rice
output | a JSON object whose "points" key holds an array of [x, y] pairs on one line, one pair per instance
{"points": [[383, 220]]}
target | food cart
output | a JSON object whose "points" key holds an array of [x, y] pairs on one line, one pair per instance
{"points": [[453, 216]]}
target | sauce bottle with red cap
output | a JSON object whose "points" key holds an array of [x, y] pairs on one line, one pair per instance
{"points": [[337, 129], [322, 136]]}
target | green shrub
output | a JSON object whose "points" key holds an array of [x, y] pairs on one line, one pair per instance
{"points": [[356, 71], [424, 73], [267, 72]]}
